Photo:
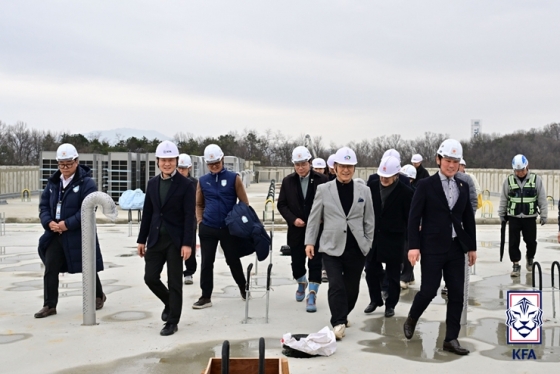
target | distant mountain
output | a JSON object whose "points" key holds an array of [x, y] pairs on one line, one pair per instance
{"points": [[113, 136]]}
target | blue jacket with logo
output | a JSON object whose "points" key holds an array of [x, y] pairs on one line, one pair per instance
{"points": [[70, 212], [219, 197]]}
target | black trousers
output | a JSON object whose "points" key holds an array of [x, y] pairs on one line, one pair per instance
{"points": [[407, 270], [527, 227], [375, 275], [298, 263], [54, 262], [190, 263], [452, 265], [166, 252], [209, 238], [344, 273]]}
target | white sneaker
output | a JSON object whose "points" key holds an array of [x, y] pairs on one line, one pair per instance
{"points": [[188, 279], [339, 331], [404, 285]]}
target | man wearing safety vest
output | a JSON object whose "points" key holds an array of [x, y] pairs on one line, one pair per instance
{"points": [[523, 198]]}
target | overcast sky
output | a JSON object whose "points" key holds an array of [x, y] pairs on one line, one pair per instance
{"points": [[346, 70]]}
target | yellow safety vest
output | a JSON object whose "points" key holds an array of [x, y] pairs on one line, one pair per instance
{"points": [[522, 200]]}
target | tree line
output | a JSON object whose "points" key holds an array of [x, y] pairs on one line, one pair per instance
{"points": [[21, 145]]}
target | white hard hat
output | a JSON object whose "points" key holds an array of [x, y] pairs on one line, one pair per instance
{"points": [[345, 156], [319, 163], [451, 148], [389, 166], [360, 181], [519, 162], [300, 154], [184, 161], [392, 152], [463, 162], [330, 161], [416, 158], [66, 152], [409, 171], [167, 149], [213, 153]]}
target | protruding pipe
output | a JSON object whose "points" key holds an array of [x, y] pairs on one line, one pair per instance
{"points": [[88, 248]]}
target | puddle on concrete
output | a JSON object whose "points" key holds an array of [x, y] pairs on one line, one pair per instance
{"points": [[14, 249], [37, 284], [131, 254], [487, 244], [107, 290], [188, 358], [12, 338], [426, 345], [493, 331], [126, 316], [489, 293]]}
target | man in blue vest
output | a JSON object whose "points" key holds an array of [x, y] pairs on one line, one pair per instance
{"points": [[216, 194], [523, 198]]}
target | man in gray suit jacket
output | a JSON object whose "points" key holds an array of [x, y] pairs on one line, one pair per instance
{"points": [[346, 210]]}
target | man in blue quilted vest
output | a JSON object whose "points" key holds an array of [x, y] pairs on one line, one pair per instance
{"points": [[216, 194]]}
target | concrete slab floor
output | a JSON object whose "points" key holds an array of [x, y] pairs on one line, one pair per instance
{"points": [[127, 340]]}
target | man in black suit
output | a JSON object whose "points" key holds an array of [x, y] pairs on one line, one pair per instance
{"points": [[391, 205], [294, 204], [168, 228], [441, 206]]}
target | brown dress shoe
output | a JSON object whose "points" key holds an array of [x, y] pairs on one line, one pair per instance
{"points": [[454, 347], [45, 312], [99, 302], [409, 327]]}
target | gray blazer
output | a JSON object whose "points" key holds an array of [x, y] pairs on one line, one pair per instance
{"points": [[328, 210]]}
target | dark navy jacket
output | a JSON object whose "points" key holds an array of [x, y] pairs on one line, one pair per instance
{"points": [[219, 197], [177, 212], [430, 208], [244, 223], [80, 186]]}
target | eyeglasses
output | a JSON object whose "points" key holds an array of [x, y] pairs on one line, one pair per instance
{"points": [[65, 165], [301, 164], [167, 160]]}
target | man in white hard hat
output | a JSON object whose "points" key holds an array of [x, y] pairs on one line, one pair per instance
{"points": [[166, 233], [217, 192], [60, 246], [319, 165], [330, 164], [294, 204], [442, 229], [478, 189], [522, 200], [421, 172], [184, 167], [391, 205], [346, 211]]}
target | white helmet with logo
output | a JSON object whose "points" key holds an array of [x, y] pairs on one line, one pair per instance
{"points": [[519, 162], [463, 162], [330, 161], [213, 153], [392, 152], [409, 171], [416, 158], [66, 152], [451, 148], [319, 163], [300, 154], [345, 156], [389, 166], [167, 149], [184, 161]]}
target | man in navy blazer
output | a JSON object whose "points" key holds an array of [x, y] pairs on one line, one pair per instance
{"points": [[441, 228], [168, 228]]}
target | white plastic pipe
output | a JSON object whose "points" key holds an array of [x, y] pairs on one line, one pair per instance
{"points": [[89, 205]]}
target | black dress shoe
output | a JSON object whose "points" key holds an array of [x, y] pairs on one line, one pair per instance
{"points": [[100, 301], [165, 314], [45, 312], [370, 308], [389, 312], [454, 347], [169, 329], [409, 327]]}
